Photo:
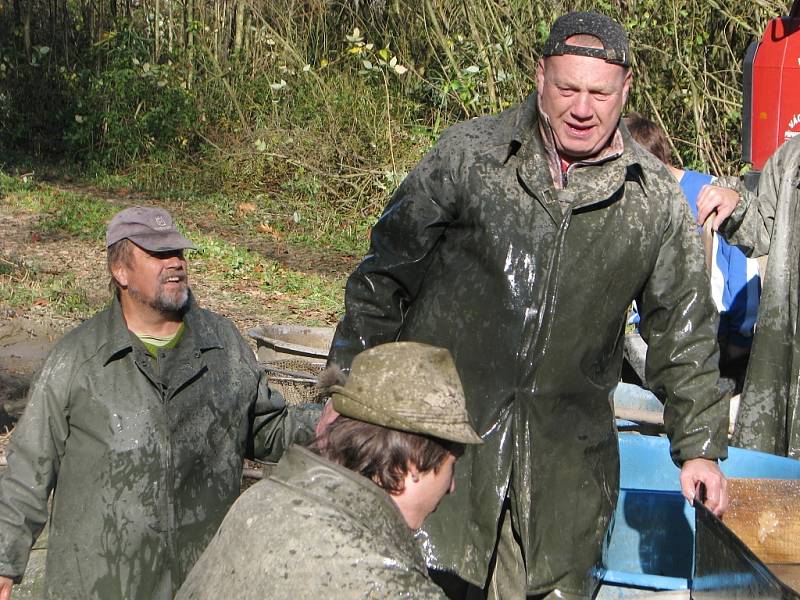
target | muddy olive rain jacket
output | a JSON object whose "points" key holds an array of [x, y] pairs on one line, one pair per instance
{"points": [[474, 253], [314, 530], [769, 221], [146, 455]]}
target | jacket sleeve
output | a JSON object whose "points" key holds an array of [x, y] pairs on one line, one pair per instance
{"points": [[388, 279], [679, 323], [275, 425], [34, 457], [751, 225]]}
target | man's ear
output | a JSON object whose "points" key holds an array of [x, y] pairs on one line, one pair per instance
{"points": [[413, 471], [540, 76], [627, 85], [120, 273]]}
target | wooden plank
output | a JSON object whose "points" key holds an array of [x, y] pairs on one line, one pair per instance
{"points": [[765, 515], [638, 415], [788, 574]]}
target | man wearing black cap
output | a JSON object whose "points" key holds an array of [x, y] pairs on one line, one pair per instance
{"points": [[518, 243], [139, 421]]}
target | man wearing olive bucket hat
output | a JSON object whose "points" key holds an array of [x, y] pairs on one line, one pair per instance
{"points": [[338, 519]]}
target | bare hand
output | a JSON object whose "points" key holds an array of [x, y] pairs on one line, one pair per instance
{"points": [[327, 417], [5, 588], [707, 472], [714, 198]]}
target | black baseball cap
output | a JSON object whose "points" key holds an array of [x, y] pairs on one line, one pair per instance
{"points": [[148, 227], [607, 30]]}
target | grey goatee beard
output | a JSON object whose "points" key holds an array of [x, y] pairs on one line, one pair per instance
{"points": [[169, 304]]}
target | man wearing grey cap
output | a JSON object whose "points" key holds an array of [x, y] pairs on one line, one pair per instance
{"points": [[138, 421], [337, 521], [518, 243]]}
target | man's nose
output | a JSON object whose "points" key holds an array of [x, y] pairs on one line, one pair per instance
{"points": [[175, 262], [582, 107]]}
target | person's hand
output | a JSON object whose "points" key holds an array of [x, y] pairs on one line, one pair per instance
{"points": [[704, 471], [327, 417], [714, 198], [5, 588]]}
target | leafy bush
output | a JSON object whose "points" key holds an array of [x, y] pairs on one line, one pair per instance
{"points": [[128, 106], [34, 100], [320, 108]]}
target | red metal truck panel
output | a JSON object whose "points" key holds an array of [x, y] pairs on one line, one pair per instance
{"points": [[775, 110]]}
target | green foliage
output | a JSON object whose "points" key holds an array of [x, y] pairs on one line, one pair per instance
{"points": [[131, 106], [9, 184], [60, 212], [77, 215], [34, 99], [23, 285], [317, 110]]}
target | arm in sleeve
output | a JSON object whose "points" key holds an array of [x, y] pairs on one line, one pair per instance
{"points": [[275, 425], [388, 279], [679, 322], [34, 458], [751, 223]]}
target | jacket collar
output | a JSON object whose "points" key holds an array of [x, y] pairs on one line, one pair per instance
{"points": [[537, 172], [344, 490], [199, 332]]}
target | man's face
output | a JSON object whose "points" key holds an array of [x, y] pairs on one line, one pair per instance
{"points": [[583, 96], [158, 280], [424, 491]]}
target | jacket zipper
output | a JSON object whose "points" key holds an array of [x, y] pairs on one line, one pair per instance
{"points": [[169, 478]]}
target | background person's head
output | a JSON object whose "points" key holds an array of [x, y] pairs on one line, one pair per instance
{"points": [[583, 79], [650, 136], [403, 424], [146, 262]]}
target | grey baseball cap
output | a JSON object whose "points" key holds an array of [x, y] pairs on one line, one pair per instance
{"points": [[610, 33], [410, 387], [148, 227]]}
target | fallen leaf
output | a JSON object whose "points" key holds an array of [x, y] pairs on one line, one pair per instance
{"points": [[269, 230], [246, 207]]}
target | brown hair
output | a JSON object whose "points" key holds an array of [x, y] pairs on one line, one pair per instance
{"points": [[120, 252], [650, 136], [382, 454]]}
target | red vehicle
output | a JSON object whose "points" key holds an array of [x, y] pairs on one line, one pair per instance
{"points": [[771, 112]]}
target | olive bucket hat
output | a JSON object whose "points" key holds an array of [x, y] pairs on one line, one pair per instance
{"points": [[410, 387]]}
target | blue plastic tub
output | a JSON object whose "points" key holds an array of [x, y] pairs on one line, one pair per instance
{"points": [[652, 537]]}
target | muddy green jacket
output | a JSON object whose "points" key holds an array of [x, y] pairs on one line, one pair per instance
{"points": [[145, 456], [769, 222], [312, 530], [474, 253]]}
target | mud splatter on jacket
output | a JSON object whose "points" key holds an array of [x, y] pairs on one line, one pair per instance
{"points": [[769, 222], [475, 253], [312, 530], [147, 455]]}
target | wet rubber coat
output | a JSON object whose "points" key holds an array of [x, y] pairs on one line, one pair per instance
{"points": [[147, 455], [312, 530], [475, 253], [769, 222]]}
